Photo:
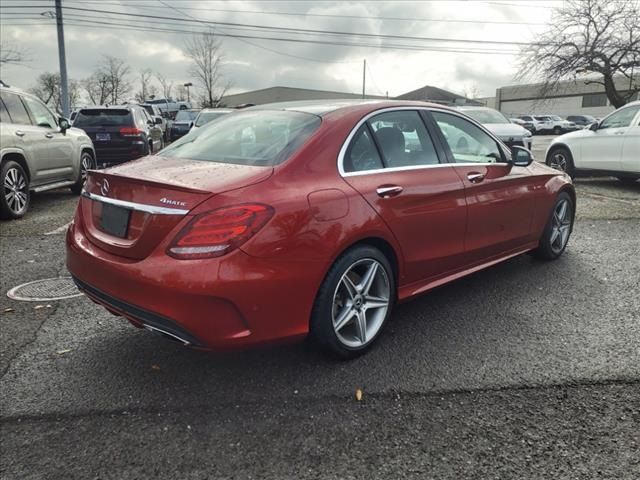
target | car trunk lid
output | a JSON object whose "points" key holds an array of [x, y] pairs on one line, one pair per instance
{"points": [[128, 210]]}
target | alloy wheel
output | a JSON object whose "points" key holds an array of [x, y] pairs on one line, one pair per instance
{"points": [[559, 161], [360, 303], [560, 226], [85, 164], [15, 190]]}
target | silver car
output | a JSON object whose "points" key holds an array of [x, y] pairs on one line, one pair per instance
{"points": [[510, 133], [38, 151]]}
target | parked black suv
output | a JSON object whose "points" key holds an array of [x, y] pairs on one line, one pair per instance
{"points": [[120, 133]]}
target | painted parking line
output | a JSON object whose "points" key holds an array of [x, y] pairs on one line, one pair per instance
{"points": [[59, 230]]}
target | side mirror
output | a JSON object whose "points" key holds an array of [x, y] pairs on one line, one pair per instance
{"points": [[593, 127], [520, 156], [158, 120], [64, 124]]}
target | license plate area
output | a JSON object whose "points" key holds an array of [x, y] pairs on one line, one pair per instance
{"points": [[115, 220], [103, 137]]}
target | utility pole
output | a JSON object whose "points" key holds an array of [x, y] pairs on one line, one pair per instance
{"points": [[64, 90], [364, 76], [187, 85]]}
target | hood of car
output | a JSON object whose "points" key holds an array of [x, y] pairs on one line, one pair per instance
{"points": [[507, 130], [577, 134]]}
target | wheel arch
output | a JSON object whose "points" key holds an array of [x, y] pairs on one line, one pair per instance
{"points": [[19, 158], [379, 243], [555, 146]]}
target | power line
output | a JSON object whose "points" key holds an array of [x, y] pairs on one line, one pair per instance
{"points": [[285, 29], [321, 15]]}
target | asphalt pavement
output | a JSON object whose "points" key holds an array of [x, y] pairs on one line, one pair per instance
{"points": [[526, 370]]}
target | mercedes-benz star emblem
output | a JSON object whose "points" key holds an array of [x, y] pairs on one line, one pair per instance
{"points": [[104, 188]]}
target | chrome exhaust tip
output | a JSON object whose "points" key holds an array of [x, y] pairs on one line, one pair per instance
{"points": [[168, 335]]}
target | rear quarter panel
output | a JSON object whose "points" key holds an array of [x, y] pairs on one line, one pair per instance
{"points": [[548, 183]]}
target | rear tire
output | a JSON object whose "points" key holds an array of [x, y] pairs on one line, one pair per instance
{"points": [[87, 162], [558, 229], [353, 303], [561, 159], [16, 197]]}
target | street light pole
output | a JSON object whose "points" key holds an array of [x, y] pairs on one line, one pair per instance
{"points": [[64, 91], [187, 85]]}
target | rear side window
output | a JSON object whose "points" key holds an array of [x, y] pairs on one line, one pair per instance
{"points": [[362, 153], [16, 109], [403, 139], [108, 117], [259, 137]]}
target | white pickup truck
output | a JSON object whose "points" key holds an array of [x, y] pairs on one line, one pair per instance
{"points": [[169, 105]]}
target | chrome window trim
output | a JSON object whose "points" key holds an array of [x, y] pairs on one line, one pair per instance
{"points": [[345, 145], [139, 207]]}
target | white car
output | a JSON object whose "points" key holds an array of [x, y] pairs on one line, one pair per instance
{"points": [[510, 133], [611, 147]]}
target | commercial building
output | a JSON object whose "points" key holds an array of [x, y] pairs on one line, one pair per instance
{"points": [[289, 94], [572, 97]]}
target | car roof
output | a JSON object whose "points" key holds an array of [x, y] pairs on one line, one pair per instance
{"points": [[325, 107], [108, 107], [221, 110]]}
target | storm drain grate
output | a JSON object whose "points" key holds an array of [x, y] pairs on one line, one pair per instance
{"points": [[44, 290]]}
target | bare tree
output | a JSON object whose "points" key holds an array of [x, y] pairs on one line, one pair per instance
{"points": [[471, 90], [116, 72], [165, 85], [48, 88], [589, 36], [146, 88], [98, 88], [204, 50], [11, 53]]}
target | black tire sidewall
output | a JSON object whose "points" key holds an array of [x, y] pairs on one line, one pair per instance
{"points": [[77, 187], [567, 155], [544, 250], [5, 212], [321, 324]]}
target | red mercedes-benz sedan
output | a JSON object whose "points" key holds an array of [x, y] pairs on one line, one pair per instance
{"points": [[309, 218]]}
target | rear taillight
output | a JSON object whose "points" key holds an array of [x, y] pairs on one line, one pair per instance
{"points": [[215, 233], [130, 132]]}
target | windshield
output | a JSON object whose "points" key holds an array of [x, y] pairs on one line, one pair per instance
{"points": [[108, 117], [261, 138], [487, 116], [206, 117], [185, 115]]}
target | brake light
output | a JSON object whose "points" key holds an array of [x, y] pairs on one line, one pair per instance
{"points": [[130, 132], [216, 233]]}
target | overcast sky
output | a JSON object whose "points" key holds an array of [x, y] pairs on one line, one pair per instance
{"points": [[262, 63]]}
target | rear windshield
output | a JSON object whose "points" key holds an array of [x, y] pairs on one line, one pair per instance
{"points": [[261, 138], [206, 117], [185, 115], [108, 117], [487, 116]]}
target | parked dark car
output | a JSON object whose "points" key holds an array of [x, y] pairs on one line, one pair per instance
{"points": [[120, 133], [182, 124], [582, 120]]}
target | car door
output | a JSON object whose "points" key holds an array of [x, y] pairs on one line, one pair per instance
{"points": [[392, 162], [631, 147], [29, 137], [602, 149], [59, 145], [499, 195]]}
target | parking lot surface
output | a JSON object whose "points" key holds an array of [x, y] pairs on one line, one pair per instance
{"points": [[526, 370]]}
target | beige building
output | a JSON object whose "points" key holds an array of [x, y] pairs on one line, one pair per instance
{"points": [[573, 97]]}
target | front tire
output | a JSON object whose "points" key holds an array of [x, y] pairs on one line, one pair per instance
{"points": [[561, 159], [558, 229], [557, 130], [15, 198], [354, 302], [86, 163]]}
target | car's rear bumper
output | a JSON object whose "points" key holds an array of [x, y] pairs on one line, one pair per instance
{"points": [[107, 156], [234, 301]]}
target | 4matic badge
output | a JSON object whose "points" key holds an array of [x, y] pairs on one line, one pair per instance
{"points": [[177, 203]]}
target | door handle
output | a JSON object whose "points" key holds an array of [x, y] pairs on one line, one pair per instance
{"points": [[48, 135], [19, 133], [475, 177], [389, 191]]}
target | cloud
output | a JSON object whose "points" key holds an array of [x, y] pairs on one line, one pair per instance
{"points": [[252, 64]]}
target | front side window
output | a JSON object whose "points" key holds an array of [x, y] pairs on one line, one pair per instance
{"points": [[486, 116], [403, 139], [362, 154], [259, 138], [206, 117], [620, 119], [468, 143], [41, 114], [16, 108]]}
